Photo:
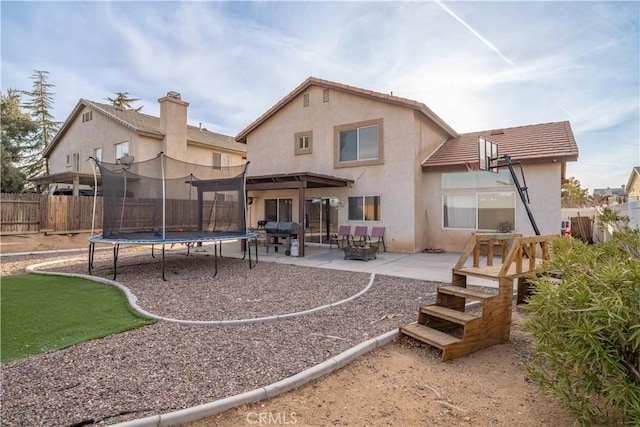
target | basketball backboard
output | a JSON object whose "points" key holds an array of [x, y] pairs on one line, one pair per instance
{"points": [[487, 155]]}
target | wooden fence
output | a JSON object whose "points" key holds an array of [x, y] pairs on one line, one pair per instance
{"points": [[37, 213], [42, 213]]}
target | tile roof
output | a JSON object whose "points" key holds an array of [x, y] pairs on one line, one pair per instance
{"points": [[540, 143], [313, 81], [147, 125]]}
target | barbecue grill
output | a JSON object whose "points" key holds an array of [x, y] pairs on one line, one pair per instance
{"points": [[281, 230]]}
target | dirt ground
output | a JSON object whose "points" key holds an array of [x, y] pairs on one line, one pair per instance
{"points": [[404, 383]]}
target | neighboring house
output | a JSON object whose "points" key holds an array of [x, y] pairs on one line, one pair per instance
{"points": [[610, 195], [633, 185], [108, 133], [329, 154]]}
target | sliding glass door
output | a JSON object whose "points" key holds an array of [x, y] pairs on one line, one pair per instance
{"points": [[321, 219]]}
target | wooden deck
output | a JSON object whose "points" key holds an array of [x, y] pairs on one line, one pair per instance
{"points": [[509, 257]]}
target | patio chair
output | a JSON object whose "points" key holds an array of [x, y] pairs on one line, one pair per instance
{"points": [[360, 237], [342, 237], [378, 233]]}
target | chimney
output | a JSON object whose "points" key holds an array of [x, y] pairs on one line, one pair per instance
{"points": [[173, 124]]}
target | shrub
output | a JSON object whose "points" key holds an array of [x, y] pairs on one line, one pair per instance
{"points": [[587, 329]]}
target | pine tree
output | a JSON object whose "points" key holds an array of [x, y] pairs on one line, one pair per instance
{"points": [[18, 130], [40, 104], [123, 102]]}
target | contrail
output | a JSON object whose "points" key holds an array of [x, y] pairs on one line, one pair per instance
{"points": [[475, 33]]}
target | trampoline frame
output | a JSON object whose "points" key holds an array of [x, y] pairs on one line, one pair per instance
{"points": [[217, 238]]}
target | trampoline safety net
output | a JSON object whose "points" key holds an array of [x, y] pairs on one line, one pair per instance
{"points": [[165, 198]]}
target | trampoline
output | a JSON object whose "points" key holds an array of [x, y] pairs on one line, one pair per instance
{"points": [[165, 201]]}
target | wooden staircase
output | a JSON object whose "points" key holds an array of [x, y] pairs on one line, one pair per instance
{"points": [[447, 326]]}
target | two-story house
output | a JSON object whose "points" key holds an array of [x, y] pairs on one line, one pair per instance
{"points": [[107, 133], [328, 154]]}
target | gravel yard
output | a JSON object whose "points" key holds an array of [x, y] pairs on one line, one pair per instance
{"points": [[165, 367]]}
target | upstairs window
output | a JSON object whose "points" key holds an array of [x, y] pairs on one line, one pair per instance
{"points": [[359, 144], [325, 95], [303, 142], [87, 116], [76, 162], [97, 154], [221, 161], [121, 150], [305, 100]]}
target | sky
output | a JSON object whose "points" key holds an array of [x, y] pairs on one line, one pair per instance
{"points": [[478, 65]]}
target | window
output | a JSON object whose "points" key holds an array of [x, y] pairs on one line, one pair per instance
{"points": [[325, 95], [121, 150], [481, 211], [303, 141], [76, 162], [278, 210], [476, 180], [305, 100], [87, 116], [358, 144], [97, 155], [221, 161], [364, 208]]}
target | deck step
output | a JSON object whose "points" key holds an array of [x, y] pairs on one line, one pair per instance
{"points": [[449, 314], [429, 335], [459, 291]]}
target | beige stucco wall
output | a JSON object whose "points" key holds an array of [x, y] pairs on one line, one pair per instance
{"points": [[543, 183], [271, 150]]}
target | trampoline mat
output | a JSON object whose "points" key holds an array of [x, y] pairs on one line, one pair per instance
{"points": [[155, 238]]}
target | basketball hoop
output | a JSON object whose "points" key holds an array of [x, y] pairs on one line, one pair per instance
{"points": [[473, 166]]}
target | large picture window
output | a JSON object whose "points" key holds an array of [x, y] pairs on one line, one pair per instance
{"points": [[359, 144], [364, 208], [479, 211]]}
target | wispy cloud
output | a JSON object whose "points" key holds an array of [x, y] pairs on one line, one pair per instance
{"points": [[479, 65]]}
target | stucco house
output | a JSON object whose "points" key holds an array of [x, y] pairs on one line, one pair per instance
{"points": [[108, 133], [328, 154]]}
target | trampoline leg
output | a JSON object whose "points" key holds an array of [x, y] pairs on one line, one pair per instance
{"points": [[249, 248], [91, 249], [116, 249], [152, 254], [215, 260], [220, 243], [163, 278]]}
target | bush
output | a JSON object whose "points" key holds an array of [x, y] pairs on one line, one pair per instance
{"points": [[587, 329]]}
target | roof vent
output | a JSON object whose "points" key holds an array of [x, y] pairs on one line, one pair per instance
{"points": [[497, 132], [173, 94]]}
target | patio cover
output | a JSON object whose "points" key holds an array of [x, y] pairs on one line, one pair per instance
{"points": [[299, 181]]}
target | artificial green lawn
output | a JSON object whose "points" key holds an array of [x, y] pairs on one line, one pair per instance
{"points": [[41, 313]]}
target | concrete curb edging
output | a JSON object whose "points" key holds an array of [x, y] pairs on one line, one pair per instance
{"points": [[216, 407], [132, 299]]}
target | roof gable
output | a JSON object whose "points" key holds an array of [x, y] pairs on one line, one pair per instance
{"points": [[145, 124], [378, 96], [635, 175], [540, 143]]}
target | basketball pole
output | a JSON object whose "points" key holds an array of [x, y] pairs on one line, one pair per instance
{"points": [[522, 190]]}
